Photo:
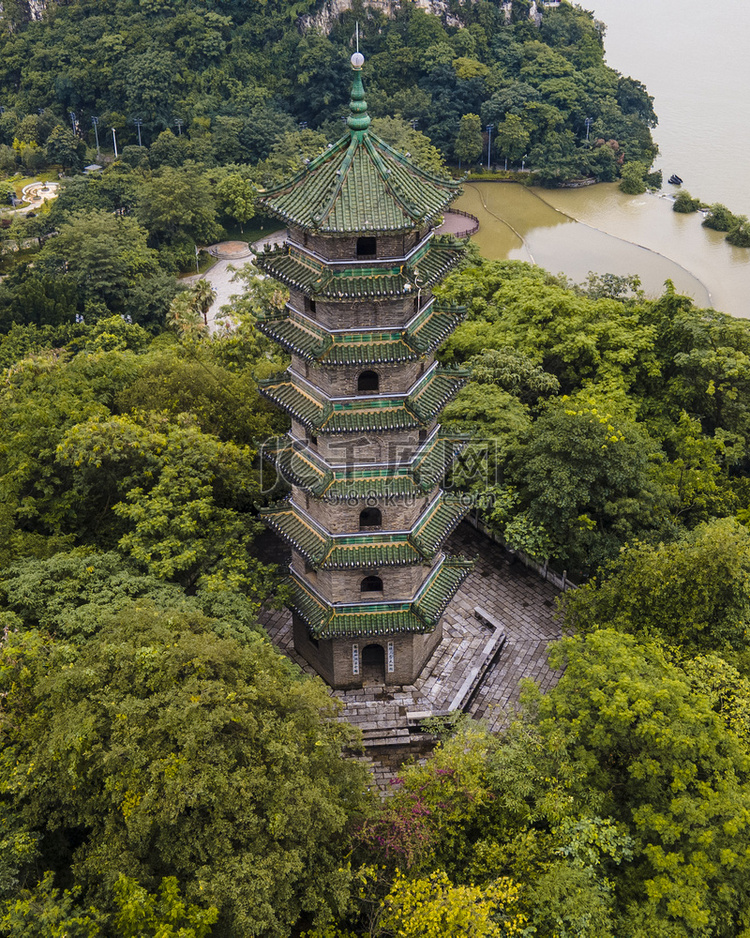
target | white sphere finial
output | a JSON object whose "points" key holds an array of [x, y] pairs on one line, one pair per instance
{"points": [[358, 60]]}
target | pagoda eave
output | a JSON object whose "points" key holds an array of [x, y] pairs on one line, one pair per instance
{"points": [[326, 620]]}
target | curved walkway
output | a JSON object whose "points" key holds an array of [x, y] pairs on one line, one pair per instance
{"points": [[231, 255]]}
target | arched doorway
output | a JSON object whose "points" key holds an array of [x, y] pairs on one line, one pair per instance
{"points": [[373, 664]]}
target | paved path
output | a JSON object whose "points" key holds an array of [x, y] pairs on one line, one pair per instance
{"points": [[232, 255], [458, 223], [518, 598]]}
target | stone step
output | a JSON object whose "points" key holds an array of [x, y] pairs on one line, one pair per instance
{"points": [[387, 736], [462, 698]]}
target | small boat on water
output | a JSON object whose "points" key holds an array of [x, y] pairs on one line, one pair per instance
{"points": [[674, 180]]}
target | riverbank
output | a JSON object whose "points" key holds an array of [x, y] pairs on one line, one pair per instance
{"points": [[599, 228]]}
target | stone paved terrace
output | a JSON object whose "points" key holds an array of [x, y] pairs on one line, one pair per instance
{"points": [[524, 605]]}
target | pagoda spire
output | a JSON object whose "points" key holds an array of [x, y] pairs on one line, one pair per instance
{"points": [[359, 119]]}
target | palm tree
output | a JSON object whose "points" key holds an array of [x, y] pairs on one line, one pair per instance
{"points": [[204, 296]]}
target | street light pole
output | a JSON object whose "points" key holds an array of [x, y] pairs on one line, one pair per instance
{"points": [[95, 122], [490, 128], [114, 141], [138, 121]]}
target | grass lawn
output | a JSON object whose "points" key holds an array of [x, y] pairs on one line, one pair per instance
{"points": [[18, 182], [254, 229]]}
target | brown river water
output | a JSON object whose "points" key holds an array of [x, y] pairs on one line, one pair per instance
{"points": [[599, 228], [693, 58]]}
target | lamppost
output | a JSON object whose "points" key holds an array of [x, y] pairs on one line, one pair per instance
{"points": [[95, 122], [589, 121], [523, 162], [138, 121], [490, 128], [178, 124], [114, 141]]}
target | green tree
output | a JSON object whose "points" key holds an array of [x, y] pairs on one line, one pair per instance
{"points": [[739, 234], [233, 781], [236, 196], [685, 204], [584, 476], [515, 372], [694, 592], [633, 181], [177, 202], [102, 254], [182, 496], [512, 138], [719, 218], [45, 912], [468, 146], [164, 915], [65, 148], [434, 908], [651, 749]]}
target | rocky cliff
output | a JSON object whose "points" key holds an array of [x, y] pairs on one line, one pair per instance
{"points": [[331, 9], [23, 10]]}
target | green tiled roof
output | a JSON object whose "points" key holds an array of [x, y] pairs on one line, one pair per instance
{"points": [[436, 458], [358, 415], [295, 335], [437, 524], [382, 346], [441, 587], [360, 184], [301, 466], [430, 396], [325, 620], [292, 266], [370, 549], [434, 325]]}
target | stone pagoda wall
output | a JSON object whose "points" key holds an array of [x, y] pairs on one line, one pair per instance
{"points": [[334, 660], [341, 380], [345, 248]]}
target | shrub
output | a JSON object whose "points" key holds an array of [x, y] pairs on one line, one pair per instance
{"points": [[719, 218], [685, 203]]}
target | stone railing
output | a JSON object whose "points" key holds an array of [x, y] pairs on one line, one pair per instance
{"points": [[561, 581], [473, 229]]}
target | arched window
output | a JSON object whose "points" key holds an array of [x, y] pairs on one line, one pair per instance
{"points": [[367, 247], [370, 518], [371, 584], [368, 382]]}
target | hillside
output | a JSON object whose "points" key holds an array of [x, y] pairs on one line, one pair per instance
{"points": [[235, 76]]}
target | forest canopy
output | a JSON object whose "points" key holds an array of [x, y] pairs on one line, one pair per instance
{"points": [[226, 80], [164, 771]]}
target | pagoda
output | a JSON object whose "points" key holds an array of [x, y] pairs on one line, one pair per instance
{"points": [[367, 518]]}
